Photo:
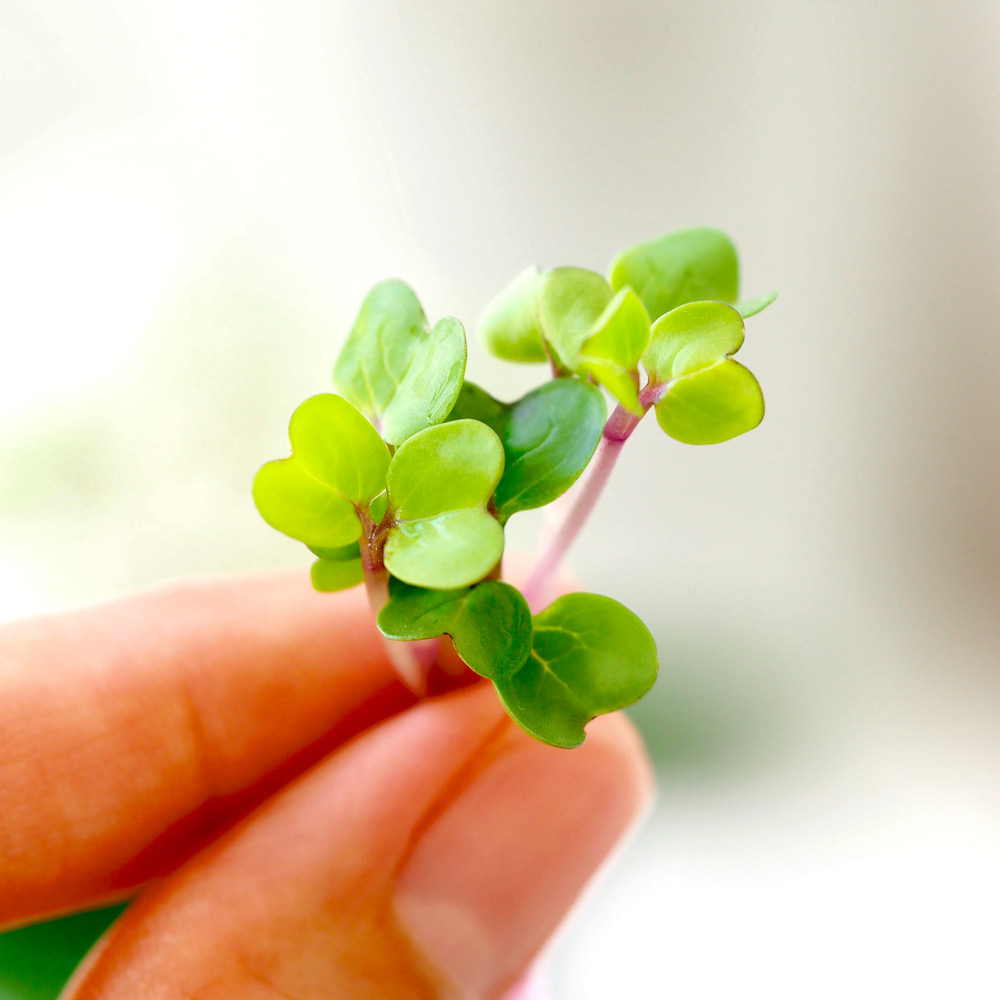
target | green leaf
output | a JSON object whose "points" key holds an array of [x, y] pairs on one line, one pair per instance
{"points": [[685, 266], [708, 397], [490, 623], [570, 300], [342, 553], [328, 576], [338, 463], [615, 343], [337, 569], [716, 404], [590, 655], [36, 961], [448, 467], [401, 375], [508, 326], [474, 403], [753, 306], [378, 507], [452, 549], [379, 349], [431, 384], [439, 484], [692, 337], [550, 435], [548, 438]]}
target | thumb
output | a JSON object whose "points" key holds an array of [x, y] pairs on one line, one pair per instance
{"points": [[431, 857]]}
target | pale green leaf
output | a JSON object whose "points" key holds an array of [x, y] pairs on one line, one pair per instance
{"points": [[614, 345], [301, 506], [431, 384], [570, 300], [508, 326], [335, 443], [447, 467], [712, 405], [449, 550], [439, 484], [328, 576], [685, 266], [338, 464], [401, 375], [753, 306], [706, 397], [692, 337], [342, 553], [379, 349], [378, 507]]}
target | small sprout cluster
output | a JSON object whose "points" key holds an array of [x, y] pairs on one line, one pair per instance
{"points": [[405, 480]]}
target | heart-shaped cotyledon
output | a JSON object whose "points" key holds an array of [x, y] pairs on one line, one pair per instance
{"points": [[403, 375], [703, 396], [439, 483], [337, 468], [589, 655]]}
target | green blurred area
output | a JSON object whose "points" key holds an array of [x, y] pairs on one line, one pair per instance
{"points": [[36, 961]]}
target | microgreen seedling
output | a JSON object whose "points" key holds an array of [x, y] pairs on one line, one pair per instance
{"points": [[405, 480]]}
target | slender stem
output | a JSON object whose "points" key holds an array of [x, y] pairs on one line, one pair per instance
{"points": [[376, 586], [412, 660], [620, 425]]}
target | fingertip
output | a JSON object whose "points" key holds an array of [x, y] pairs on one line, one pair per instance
{"points": [[493, 875], [431, 856]]}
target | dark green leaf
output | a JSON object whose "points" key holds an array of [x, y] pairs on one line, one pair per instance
{"points": [[474, 403], [684, 266], [590, 655], [548, 438], [490, 623], [36, 961]]}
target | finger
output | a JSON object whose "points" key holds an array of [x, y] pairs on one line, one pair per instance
{"points": [[430, 857], [129, 731]]}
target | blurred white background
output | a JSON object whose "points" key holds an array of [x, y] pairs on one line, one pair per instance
{"points": [[196, 196]]}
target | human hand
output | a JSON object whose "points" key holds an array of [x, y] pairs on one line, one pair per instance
{"points": [[241, 754]]}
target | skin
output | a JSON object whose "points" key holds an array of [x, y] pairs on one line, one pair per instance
{"points": [[239, 756]]}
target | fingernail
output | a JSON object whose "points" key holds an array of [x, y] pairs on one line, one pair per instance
{"points": [[497, 869]]}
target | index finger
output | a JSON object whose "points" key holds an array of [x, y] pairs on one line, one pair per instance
{"points": [[129, 731]]}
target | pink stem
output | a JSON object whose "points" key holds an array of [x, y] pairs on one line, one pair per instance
{"points": [[376, 585], [620, 425], [412, 661]]}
